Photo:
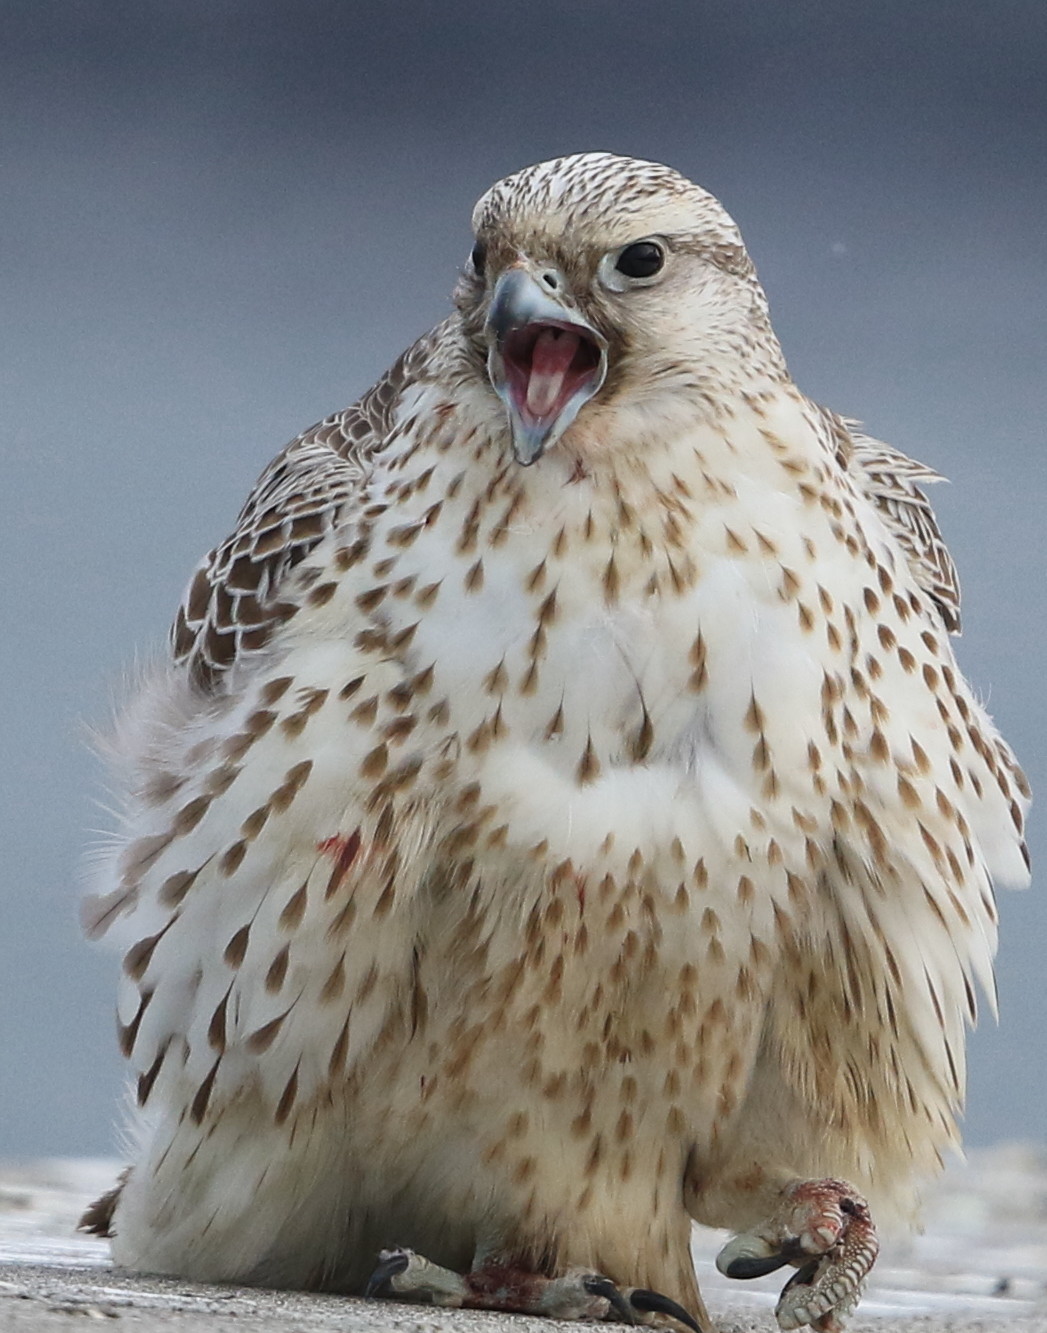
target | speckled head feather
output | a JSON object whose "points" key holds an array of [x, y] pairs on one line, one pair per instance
{"points": [[587, 195], [602, 187]]}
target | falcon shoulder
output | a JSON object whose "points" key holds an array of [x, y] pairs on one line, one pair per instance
{"points": [[240, 593], [889, 479]]}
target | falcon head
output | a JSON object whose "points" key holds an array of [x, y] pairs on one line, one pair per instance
{"points": [[597, 279]]}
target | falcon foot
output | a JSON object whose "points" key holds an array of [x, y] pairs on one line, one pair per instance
{"points": [[824, 1230], [404, 1275]]}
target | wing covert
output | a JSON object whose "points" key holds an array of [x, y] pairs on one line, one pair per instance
{"points": [[889, 479], [238, 596]]}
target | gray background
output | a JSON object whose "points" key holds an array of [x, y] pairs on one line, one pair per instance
{"points": [[220, 221]]}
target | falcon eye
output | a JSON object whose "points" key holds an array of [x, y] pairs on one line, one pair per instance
{"points": [[642, 260], [479, 258]]}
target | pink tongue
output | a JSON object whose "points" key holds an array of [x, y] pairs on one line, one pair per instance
{"points": [[551, 359]]}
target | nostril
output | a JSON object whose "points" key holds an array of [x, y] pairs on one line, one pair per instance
{"points": [[550, 279]]}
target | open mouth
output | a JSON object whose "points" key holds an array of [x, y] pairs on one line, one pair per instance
{"points": [[546, 365], [543, 362]]}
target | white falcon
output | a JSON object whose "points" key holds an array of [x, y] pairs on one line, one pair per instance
{"points": [[562, 816]]}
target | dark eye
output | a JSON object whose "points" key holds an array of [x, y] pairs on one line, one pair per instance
{"points": [[642, 260], [479, 258]]}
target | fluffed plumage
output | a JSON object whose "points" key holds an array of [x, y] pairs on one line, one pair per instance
{"points": [[563, 815]]}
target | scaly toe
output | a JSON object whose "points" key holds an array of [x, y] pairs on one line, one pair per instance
{"points": [[577, 1294], [823, 1227], [825, 1292], [406, 1276], [819, 1212]]}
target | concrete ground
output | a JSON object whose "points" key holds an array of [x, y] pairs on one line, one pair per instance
{"points": [[38, 1298], [980, 1267]]}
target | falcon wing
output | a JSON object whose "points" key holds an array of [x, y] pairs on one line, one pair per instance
{"points": [[236, 599], [227, 838], [889, 478]]}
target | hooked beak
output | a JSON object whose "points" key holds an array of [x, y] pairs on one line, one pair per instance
{"points": [[543, 361]]}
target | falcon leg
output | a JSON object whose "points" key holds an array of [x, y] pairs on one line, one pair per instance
{"points": [[824, 1230], [408, 1276]]}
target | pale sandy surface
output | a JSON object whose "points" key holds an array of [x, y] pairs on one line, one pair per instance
{"points": [[980, 1267]]}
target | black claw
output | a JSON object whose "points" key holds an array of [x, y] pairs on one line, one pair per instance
{"points": [[653, 1302], [804, 1277], [389, 1267], [596, 1285], [746, 1267]]}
